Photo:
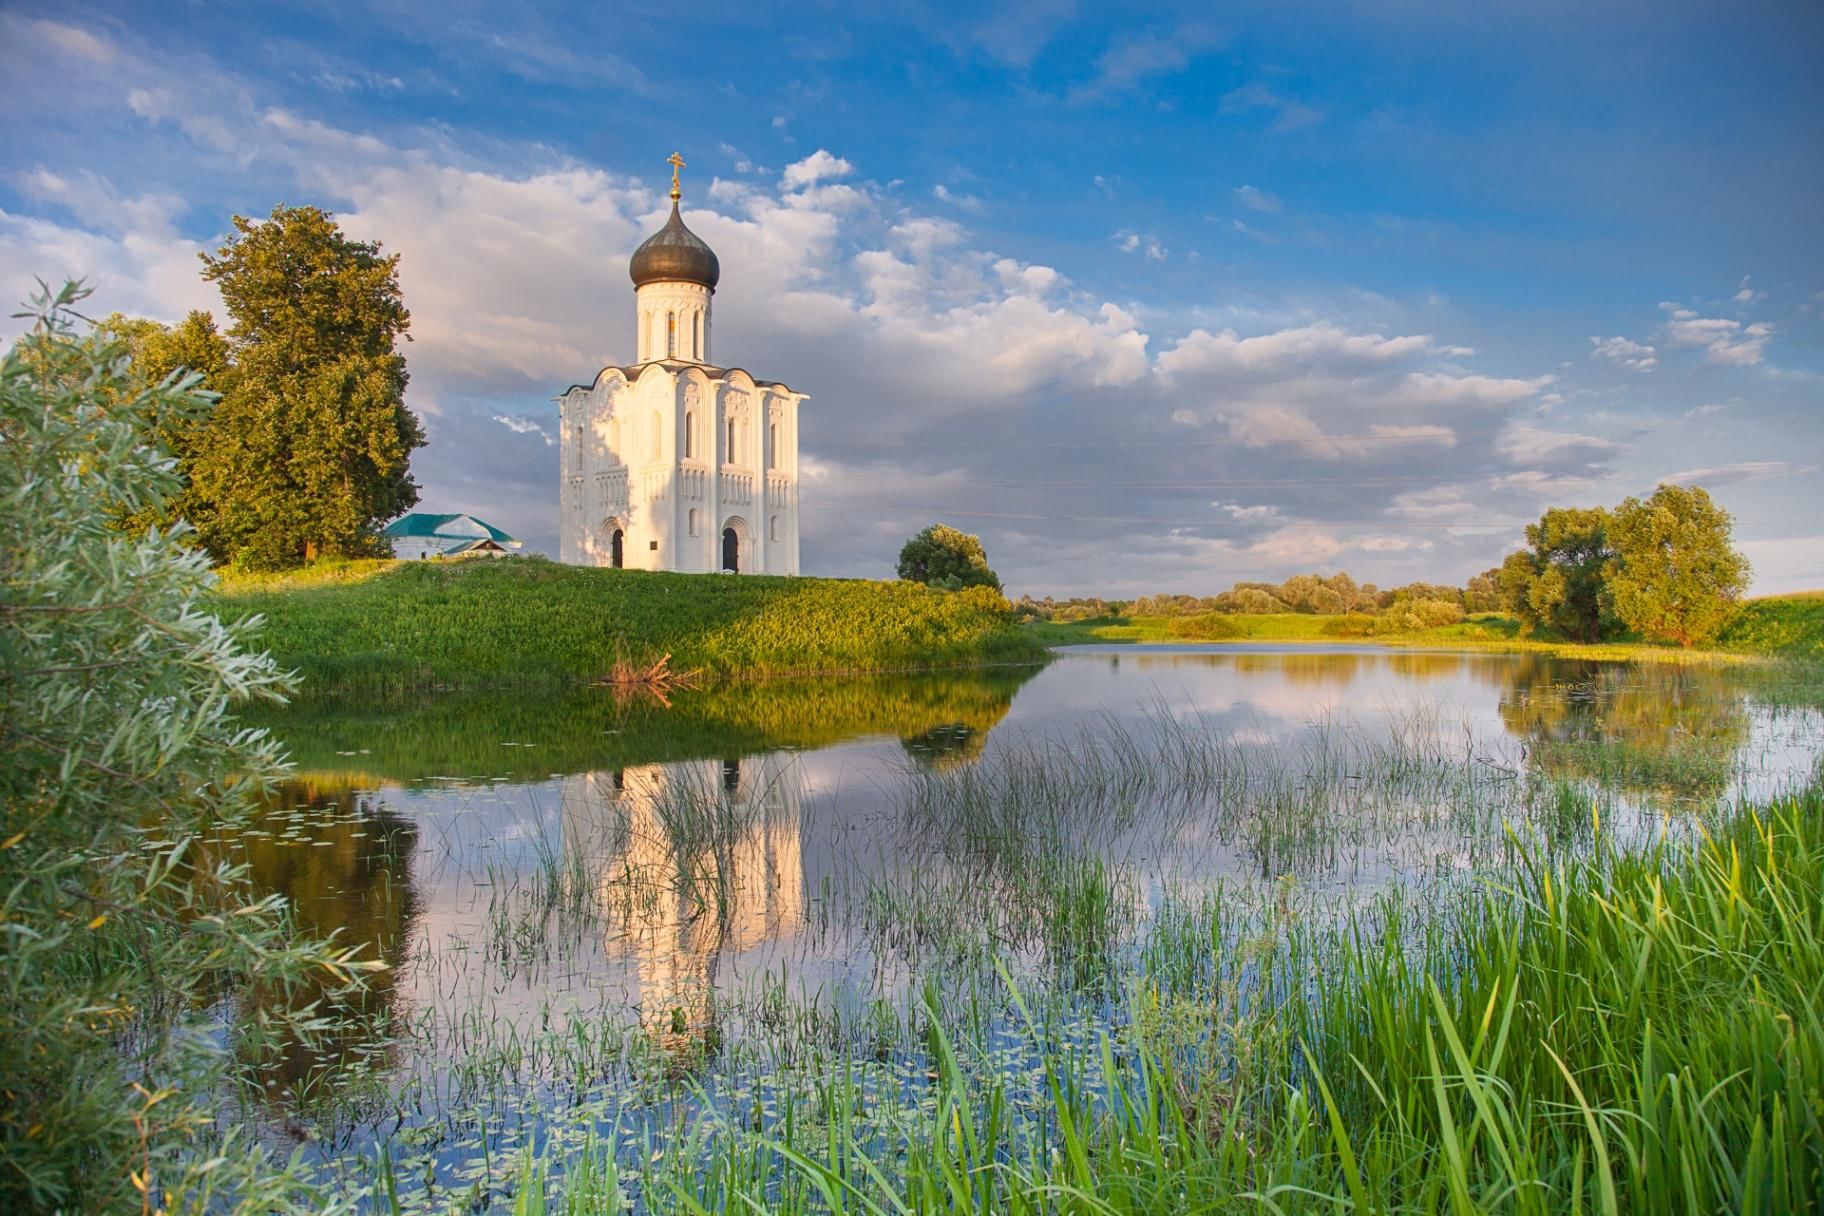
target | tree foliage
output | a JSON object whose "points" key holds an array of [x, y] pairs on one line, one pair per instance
{"points": [[1675, 576], [195, 347], [121, 757], [941, 556], [307, 453], [1557, 582]]}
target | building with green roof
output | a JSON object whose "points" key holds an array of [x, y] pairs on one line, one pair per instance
{"points": [[422, 535]]}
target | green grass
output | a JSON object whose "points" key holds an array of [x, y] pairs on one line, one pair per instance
{"points": [[386, 628], [1788, 626], [1635, 1032], [1794, 629]]}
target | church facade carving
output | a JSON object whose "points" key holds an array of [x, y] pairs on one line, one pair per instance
{"points": [[671, 462]]}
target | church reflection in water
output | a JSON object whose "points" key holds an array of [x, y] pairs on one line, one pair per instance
{"points": [[692, 862]]}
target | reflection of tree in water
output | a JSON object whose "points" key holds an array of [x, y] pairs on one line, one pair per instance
{"points": [[947, 746], [345, 869], [1665, 734]]}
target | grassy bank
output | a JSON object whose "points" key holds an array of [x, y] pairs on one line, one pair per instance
{"points": [[1790, 627], [380, 628], [1786, 626], [1628, 1032]]}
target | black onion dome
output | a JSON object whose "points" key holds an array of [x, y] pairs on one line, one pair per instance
{"points": [[674, 254]]}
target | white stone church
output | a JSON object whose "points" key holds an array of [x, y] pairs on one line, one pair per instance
{"points": [[673, 463]]}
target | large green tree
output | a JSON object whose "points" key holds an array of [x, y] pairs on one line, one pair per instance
{"points": [[308, 451], [942, 556], [1557, 581], [1675, 576]]}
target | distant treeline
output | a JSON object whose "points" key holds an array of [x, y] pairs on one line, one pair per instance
{"points": [[1664, 568], [1317, 594]]}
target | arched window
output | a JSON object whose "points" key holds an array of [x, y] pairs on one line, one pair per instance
{"points": [[696, 351], [772, 445], [772, 528], [671, 335], [728, 453], [658, 439], [693, 521], [690, 435], [576, 455]]}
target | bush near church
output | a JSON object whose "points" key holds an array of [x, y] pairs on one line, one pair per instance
{"points": [[941, 556]]}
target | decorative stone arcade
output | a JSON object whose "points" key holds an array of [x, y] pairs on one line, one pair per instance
{"points": [[671, 462]]}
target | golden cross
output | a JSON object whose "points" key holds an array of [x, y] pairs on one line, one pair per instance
{"points": [[676, 162]]}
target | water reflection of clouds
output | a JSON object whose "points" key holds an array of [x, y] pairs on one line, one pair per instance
{"points": [[816, 814]]}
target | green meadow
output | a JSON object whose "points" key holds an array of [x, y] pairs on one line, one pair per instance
{"points": [[1788, 627], [397, 628]]}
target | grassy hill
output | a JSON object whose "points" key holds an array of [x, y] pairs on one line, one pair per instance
{"points": [[1787, 626], [388, 627]]}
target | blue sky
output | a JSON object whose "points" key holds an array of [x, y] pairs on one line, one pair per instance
{"points": [[1152, 300]]}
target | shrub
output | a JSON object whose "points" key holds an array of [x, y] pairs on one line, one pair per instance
{"points": [[1354, 625], [941, 556], [1422, 614], [121, 759], [1207, 627]]}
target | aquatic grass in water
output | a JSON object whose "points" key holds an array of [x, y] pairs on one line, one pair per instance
{"points": [[1139, 927]]}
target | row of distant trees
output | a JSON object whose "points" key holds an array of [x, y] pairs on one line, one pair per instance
{"points": [[305, 449], [1664, 567]]}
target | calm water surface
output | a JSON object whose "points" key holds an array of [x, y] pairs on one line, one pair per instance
{"points": [[584, 900]]}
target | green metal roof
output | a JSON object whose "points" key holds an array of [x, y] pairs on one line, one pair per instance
{"points": [[445, 527]]}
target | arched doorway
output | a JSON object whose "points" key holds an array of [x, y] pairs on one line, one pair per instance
{"points": [[617, 548], [731, 550]]}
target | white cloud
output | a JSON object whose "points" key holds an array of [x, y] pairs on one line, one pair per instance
{"points": [[1298, 544], [1741, 470], [1129, 241], [1725, 341], [1135, 58], [521, 425], [1624, 351], [1522, 444], [1202, 353], [1258, 200], [819, 166], [1288, 114], [962, 202]]}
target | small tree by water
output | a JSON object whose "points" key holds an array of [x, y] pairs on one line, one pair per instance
{"points": [[942, 556]]}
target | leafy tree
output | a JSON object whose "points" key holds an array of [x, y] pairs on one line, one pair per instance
{"points": [[116, 686], [1675, 575], [1557, 582], [309, 448], [195, 346], [941, 556], [1483, 592]]}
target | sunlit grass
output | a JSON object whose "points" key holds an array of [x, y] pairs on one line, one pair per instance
{"points": [[524, 622]]}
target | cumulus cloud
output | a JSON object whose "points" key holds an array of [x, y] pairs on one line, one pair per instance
{"points": [[1724, 340], [1129, 241], [1626, 352], [947, 376], [819, 166]]}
